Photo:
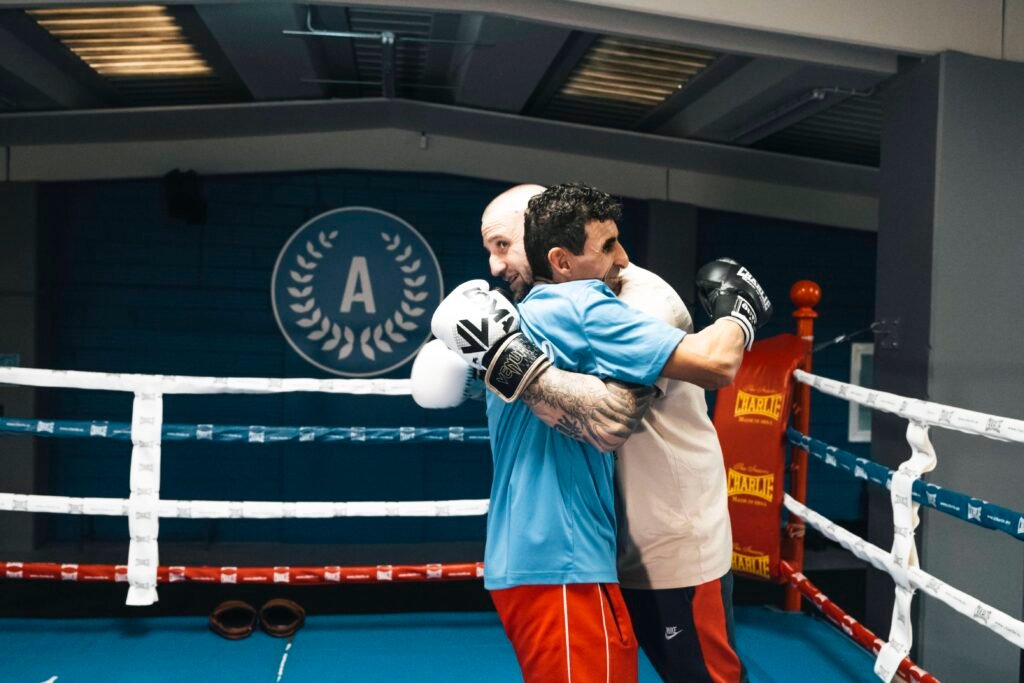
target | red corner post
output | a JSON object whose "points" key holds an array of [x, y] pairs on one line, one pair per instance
{"points": [[805, 295]]}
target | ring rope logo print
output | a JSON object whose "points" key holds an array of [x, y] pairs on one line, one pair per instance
{"points": [[356, 283]]}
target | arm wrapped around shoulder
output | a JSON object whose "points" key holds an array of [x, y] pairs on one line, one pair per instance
{"points": [[728, 290], [482, 326]]}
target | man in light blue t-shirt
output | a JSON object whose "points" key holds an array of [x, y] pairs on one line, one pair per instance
{"points": [[552, 519], [550, 555]]}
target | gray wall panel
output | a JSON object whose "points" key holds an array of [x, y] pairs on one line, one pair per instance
{"points": [[975, 360], [905, 217], [950, 247]]}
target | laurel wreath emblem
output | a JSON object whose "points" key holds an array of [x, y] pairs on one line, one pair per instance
{"points": [[372, 338]]}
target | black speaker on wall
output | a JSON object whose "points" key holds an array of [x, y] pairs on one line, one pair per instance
{"points": [[184, 198]]}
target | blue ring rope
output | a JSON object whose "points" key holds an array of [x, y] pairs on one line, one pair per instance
{"points": [[122, 431], [974, 510]]}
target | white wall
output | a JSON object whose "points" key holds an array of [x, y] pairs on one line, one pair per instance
{"points": [[1013, 37], [915, 26], [986, 28]]}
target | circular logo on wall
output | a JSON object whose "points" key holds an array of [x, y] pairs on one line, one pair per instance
{"points": [[353, 291]]}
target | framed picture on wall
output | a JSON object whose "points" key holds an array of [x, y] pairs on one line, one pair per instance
{"points": [[862, 370]]}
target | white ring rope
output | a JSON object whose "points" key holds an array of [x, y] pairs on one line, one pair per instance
{"points": [[937, 414], [905, 520], [144, 507], [226, 509], [173, 384], [144, 483], [995, 620], [902, 562]]}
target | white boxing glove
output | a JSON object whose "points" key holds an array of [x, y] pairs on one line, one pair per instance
{"points": [[442, 379], [473, 319], [482, 326]]}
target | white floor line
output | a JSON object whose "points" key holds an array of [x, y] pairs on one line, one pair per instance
{"points": [[284, 659]]}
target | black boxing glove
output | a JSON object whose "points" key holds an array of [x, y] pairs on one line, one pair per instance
{"points": [[728, 290]]}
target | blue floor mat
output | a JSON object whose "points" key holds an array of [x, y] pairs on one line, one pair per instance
{"points": [[178, 649], [784, 647], [776, 647]]}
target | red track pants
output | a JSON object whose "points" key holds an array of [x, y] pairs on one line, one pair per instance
{"points": [[577, 633]]}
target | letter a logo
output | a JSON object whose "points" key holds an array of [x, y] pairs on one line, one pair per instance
{"points": [[358, 287], [353, 290]]}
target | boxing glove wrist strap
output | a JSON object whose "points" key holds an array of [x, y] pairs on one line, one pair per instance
{"points": [[737, 309], [513, 365]]}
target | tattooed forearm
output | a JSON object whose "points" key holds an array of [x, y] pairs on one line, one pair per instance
{"points": [[601, 413], [570, 428]]}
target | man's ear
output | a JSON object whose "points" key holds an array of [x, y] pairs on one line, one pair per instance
{"points": [[558, 258]]}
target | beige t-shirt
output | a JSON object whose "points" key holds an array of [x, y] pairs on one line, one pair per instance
{"points": [[674, 529]]}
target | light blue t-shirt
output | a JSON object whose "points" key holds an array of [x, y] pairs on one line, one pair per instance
{"points": [[552, 513]]}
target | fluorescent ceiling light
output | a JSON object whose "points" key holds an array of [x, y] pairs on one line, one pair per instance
{"points": [[125, 41]]}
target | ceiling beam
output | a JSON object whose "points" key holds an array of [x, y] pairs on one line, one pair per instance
{"points": [[269, 63], [504, 72], [763, 96], [50, 78], [288, 118], [410, 151], [731, 102]]}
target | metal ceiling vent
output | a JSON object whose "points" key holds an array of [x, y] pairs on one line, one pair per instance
{"points": [[410, 53], [850, 132], [619, 81], [141, 41]]}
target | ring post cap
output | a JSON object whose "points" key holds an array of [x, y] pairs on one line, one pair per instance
{"points": [[805, 295]]}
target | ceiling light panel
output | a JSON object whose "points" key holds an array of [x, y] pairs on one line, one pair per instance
{"points": [[121, 42], [621, 80]]}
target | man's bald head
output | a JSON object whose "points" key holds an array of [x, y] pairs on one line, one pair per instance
{"points": [[511, 202], [501, 227]]}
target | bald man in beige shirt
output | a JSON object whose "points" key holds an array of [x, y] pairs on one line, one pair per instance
{"points": [[675, 539]]}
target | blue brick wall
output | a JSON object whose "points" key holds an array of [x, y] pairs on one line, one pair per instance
{"points": [[843, 262], [126, 289]]}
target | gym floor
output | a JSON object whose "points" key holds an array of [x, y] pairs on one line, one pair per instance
{"points": [[777, 647]]}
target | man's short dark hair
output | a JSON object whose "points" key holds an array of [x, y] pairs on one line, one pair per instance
{"points": [[558, 218]]}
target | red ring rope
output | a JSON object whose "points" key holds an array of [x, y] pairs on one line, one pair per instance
{"points": [[386, 573], [53, 571], [848, 625]]}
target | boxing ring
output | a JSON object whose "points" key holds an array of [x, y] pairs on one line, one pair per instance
{"points": [[442, 646]]}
